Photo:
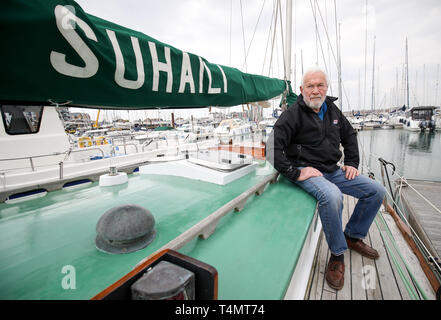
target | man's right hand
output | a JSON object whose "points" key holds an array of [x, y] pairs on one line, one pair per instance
{"points": [[308, 172]]}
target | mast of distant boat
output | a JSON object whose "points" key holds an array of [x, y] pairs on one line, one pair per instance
{"points": [[407, 76], [373, 80]]}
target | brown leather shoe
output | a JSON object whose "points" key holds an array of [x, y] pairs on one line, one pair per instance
{"points": [[335, 274], [362, 248]]}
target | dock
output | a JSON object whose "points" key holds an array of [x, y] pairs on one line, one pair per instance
{"points": [[422, 216], [395, 275], [360, 127]]}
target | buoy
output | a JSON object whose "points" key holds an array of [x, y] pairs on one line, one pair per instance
{"points": [[125, 228], [113, 178]]}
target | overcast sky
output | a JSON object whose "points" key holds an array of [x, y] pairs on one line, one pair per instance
{"points": [[221, 32]]}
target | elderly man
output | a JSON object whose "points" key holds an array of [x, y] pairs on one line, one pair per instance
{"points": [[307, 139]]}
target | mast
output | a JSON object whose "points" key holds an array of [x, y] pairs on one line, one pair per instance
{"points": [[337, 35], [407, 76], [424, 85], [373, 78], [365, 57], [437, 82]]}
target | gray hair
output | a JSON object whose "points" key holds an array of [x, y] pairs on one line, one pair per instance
{"points": [[314, 70]]}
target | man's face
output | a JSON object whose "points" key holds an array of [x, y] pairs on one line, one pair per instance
{"points": [[314, 90]]}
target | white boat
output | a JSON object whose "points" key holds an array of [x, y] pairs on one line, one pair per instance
{"points": [[231, 131], [437, 118], [419, 119], [38, 152], [274, 228]]}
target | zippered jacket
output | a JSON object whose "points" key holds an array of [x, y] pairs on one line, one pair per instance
{"points": [[301, 139]]}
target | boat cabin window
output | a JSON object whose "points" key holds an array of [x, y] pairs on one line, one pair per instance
{"points": [[21, 119], [422, 114]]}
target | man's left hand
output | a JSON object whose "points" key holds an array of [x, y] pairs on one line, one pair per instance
{"points": [[351, 172]]}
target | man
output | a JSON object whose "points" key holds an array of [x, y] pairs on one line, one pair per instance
{"points": [[307, 139]]}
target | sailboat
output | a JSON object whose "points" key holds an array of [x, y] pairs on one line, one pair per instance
{"points": [[419, 118], [230, 218]]}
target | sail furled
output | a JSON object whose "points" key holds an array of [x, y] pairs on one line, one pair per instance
{"points": [[53, 51]]}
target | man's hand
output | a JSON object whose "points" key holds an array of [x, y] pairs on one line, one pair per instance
{"points": [[308, 172], [351, 172]]}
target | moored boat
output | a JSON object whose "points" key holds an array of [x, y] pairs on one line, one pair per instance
{"points": [[419, 119], [48, 243]]}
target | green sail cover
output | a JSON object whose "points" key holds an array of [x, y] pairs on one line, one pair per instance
{"points": [[53, 51]]}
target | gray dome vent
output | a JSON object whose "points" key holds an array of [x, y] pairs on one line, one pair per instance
{"points": [[125, 228]]}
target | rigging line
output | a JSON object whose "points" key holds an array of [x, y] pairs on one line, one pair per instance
{"points": [[317, 37], [346, 95], [332, 51], [363, 154], [274, 36], [277, 63], [231, 23], [243, 38], [319, 41], [414, 96], [268, 38], [316, 31], [283, 42], [424, 198], [328, 50], [254, 33]]}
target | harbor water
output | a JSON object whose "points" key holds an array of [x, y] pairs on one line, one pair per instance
{"points": [[416, 155]]}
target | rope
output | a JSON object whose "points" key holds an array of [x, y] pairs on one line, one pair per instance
{"points": [[398, 267], [424, 198], [402, 259]]}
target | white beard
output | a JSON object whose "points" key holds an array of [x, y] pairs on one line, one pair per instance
{"points": [[316, 104]]}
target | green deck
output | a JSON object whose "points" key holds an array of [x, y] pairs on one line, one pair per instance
{"points": [[254, 251]]}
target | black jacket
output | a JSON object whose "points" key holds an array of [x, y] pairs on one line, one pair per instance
{"points": [[301, 139]]}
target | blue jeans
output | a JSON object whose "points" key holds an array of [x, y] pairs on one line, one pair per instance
{"points": [[328, 190]]}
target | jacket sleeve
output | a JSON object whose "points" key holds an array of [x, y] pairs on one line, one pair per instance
{"points": [[349, 142], [278, 141]]}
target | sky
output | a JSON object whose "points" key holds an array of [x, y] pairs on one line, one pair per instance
{"points": [[225, 32]]}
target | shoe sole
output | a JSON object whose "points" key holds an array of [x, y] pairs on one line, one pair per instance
{"points": [[334, 287]]}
